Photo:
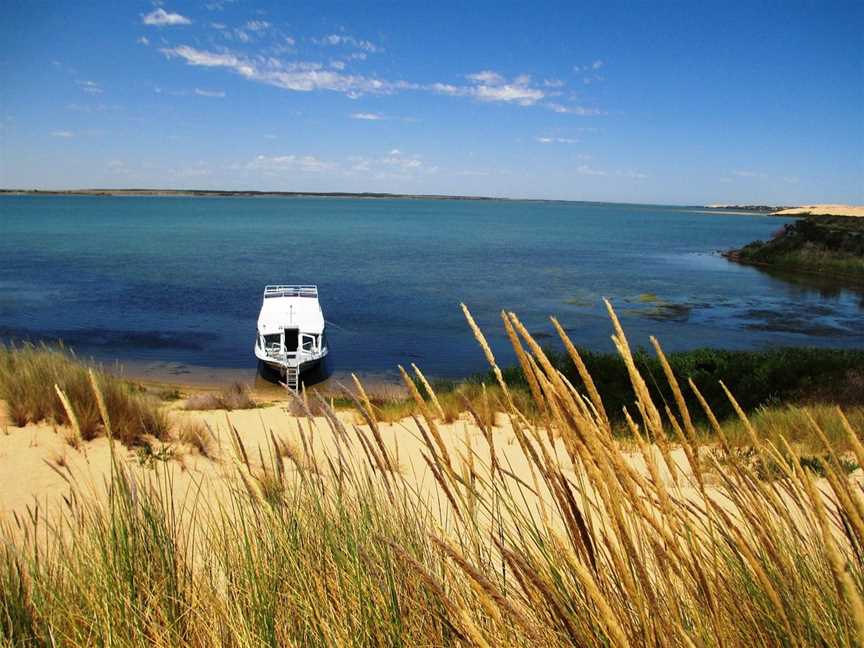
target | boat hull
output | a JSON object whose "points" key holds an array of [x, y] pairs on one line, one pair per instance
{"points": [[281, 366]]}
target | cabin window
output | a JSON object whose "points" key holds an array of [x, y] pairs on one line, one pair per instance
{"points": [[272, 340], [309, 342]]}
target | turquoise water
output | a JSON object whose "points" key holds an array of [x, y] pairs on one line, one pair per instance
{"points": [[179, 280]]}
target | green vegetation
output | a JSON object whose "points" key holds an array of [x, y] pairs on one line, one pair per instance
{"points": [[829, 245], [348, 552], [30, 377], [765, 383]]}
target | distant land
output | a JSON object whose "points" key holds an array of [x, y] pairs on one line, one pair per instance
{"points": [[225, 193], [774, 210], [804, 210], [821, 244], [750, 208]]}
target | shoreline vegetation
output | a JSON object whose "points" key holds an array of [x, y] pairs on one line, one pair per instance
{"points": [[826, 245], [766, 380], [263, 527]]}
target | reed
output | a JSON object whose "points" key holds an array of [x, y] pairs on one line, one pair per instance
{"points": [[34, 380], [585, 550]]}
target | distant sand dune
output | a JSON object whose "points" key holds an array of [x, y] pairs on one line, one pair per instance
{"points": [[824, 210]]}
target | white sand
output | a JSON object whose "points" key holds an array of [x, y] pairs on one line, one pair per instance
{"points": [[32, 458], [824, 210]]}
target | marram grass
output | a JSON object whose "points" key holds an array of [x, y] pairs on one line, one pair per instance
{"points": [[308, 551]]}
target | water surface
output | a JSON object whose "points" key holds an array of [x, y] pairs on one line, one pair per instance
{"points": [[177, 282]]}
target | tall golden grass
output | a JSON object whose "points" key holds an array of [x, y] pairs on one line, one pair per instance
{"points": [[35, 379], [588, 551]]}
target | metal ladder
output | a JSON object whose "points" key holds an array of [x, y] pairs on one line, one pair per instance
{"points": [[292, 375]]}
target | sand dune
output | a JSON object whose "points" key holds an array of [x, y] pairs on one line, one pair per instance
{"points": [[39, 467], [824, 210]]}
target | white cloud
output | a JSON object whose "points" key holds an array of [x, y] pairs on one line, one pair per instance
{"points": [[210, 93], [161, 18], [298, 76], [558, 140], [90, 87], [271, 136], [584, 169], [304, 76], [99, 107], [64, 134], [402, 162], [368, 116], [349, 41], [490, 86], [486, 76], [143, 40], [590, 72], [272, 164], [257, 25], [553, 83], [748, 174], [574, 110]]}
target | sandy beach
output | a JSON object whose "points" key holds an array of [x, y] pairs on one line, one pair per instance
{"points": [[823, 210], [53, 467]]}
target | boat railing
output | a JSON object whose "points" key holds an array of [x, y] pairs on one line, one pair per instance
{"points": [[309, 290], [288, 357]]}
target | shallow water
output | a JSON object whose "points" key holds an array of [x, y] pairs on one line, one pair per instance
{"points": [[175, 283]]}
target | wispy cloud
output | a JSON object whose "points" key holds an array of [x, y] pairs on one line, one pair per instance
{"points": [[368, 116], [748, 174], [491, 86], [348, 41], [161, 18], [90, 87], [574, 110], [297, 76], [590, 72], [257, 25], [63, 134], [394, 164], [143, 40], [398, 159], [91, 108], [210, 93], [485, 86], [584, 169], [272, 164], [557, 140]]}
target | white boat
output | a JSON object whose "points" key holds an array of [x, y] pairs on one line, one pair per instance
{"points": [[291, 336]]}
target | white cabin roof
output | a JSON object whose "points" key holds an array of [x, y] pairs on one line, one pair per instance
{"points": [[290, 307]]}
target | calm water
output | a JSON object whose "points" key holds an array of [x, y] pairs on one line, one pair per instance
{"points": [[177, 281]]}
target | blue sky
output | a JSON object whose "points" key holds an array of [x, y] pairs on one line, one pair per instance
{"points": [[670, 102]]}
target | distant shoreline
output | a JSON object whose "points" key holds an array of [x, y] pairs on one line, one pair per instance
{"points": [[222, 193], [770, 210]]}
